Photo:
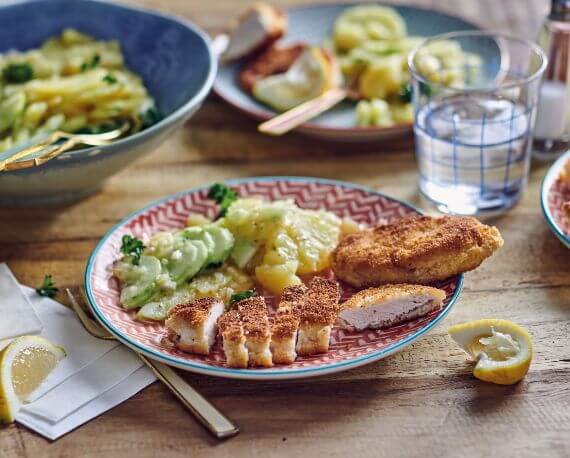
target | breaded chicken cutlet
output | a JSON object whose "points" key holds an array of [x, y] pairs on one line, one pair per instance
{"points": [[193, 324], [417, 249], [272, 61], [388, 305], [246, 334]]}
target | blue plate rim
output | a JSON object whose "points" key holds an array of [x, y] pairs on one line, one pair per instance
{"points": [[173, 117], [264, 115], [547, 181], [258, 374]]}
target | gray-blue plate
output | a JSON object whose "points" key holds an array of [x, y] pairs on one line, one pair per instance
{"points": [[313, 24]]}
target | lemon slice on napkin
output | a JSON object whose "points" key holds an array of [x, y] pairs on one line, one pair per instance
{"points": [[502, 349], [310, 75], [24, 364]]}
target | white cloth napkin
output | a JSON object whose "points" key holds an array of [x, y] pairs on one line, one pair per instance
{"points": [[95, 376], [17, 316]]}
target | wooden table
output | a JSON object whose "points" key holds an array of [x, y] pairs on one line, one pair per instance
{"points": [[422, 401]]}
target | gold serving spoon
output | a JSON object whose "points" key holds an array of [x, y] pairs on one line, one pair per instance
{"points": [[50, 147], [211, 418]]}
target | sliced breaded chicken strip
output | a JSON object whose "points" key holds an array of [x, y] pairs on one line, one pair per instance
{"points": [[291, 295], [231, 330], [417, 249], [286, 325], [257, 330], [317, 312], [193, 324], [284, 337], [388, 305]]}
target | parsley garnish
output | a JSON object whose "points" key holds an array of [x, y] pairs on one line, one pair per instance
{"points": [[241, 296], [150, 117], [406, 92], [110, 78], [18, 73], [223, 195], [133, 247], [47, 289], [94, 62]]}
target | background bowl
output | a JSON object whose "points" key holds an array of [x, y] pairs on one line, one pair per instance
{"points": [[173, 57], [314, 24], [552, 194]]}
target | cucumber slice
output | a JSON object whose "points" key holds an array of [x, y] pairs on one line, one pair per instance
{"points": [[155, 311], [187, 261], [149, 268], [223, 240], [198, 233], [134, 296], [242, 252], [141, 282]]}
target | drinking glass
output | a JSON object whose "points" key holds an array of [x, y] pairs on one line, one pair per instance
{"points": [[475, 96]]}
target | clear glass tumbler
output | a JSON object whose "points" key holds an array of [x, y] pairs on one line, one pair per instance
{"points": [[475, 96]]}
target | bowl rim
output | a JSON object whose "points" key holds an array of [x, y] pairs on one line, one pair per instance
{"points": [[168, 120], [547, 182], [312, 127]]}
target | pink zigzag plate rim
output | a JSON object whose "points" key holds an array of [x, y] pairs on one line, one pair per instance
{"points": [[348, 349], [552, 194]]}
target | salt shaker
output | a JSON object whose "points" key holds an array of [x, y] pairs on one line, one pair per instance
{"points": [[552, 129]]}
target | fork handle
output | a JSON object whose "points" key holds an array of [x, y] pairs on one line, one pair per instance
{"points": [[206, 413], [287, 121]]}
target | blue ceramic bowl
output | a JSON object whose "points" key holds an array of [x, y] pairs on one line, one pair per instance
{"points": [[173, 57]]}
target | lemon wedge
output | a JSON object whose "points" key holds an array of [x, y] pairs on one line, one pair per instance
{"points": [[502, 349], [24, 364], [310, 75]]}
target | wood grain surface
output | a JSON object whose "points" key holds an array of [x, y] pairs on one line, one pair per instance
{"points": [[420, 402]]}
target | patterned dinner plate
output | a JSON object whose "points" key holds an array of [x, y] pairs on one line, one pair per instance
{"points": [[347, 350], [553, 194]]}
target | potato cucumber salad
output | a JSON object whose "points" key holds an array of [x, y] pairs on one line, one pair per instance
{"points": [[71, 83], [251, 242], [372, 46]]}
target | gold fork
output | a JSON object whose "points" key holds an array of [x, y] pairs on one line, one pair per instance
{"points": [[50, 148], [212, 419]]}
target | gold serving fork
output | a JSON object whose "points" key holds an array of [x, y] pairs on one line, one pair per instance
{"points": [[50, 148], [212, 419]]}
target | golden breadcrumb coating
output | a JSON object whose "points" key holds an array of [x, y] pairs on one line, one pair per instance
{"points": [[319, 305], [195, 313], [284, 326], [291, 295], [230, 326], [192, 325], [417, 249], [253, 314]]}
